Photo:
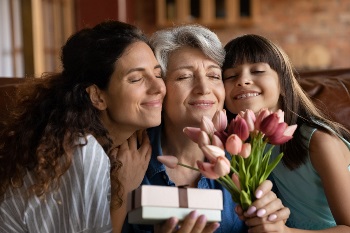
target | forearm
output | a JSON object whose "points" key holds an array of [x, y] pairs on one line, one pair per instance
{"points": [[118, 217], [336, 229]]}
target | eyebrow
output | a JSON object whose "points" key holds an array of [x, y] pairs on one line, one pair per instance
{"points": [[191, 67], [141, 69]]}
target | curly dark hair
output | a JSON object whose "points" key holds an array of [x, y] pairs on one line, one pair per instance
{"points": [[53, 111], [296, 104]]}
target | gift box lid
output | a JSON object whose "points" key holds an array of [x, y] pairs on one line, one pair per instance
{"points": [[166, 196]]}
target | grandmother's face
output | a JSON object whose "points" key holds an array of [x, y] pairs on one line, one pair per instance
{"points": [[194, 87]]}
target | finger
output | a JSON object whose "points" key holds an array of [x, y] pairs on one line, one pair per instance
{"points": [[145, 146], [211, 227], [124, 146], [200, 224], [132, 141], [167, 227], [188, 222], [240, 212], [139, 134], [268, 228], [282, 214], [268, 204], [263, 188]]}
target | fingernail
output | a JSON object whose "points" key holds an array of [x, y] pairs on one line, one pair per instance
{"points": [[261, 212], [258, 193], [251, 210], [272, 217], [202, 219], [193, 214], [216, 226]]}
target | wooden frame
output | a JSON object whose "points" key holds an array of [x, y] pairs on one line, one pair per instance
{"points": [[182, 13]]}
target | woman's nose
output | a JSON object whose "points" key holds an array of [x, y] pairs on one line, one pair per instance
{"points": [[202, 86], [157, 85]]}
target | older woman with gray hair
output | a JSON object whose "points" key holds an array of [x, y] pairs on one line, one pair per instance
{"points": [[191, 57]]}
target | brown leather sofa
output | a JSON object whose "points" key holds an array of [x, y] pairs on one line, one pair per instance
{"points": [[329, 89]]}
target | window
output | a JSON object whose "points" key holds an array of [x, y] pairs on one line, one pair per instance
{"points": [[207, 12], [32, 35]]}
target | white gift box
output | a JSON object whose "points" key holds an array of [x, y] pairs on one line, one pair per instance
{"points": [[151, 204]]}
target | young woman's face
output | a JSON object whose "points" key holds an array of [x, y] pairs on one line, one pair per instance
{"points": [[136, 90], [194, 87], [251, 86]]}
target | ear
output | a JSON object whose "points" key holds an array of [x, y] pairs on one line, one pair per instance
{"points": [[96, 97]]}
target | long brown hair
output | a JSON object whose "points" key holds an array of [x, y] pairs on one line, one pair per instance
{"points": [[54, 111]]}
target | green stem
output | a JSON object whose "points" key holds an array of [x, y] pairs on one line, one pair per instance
{"points": [[187, 166]]}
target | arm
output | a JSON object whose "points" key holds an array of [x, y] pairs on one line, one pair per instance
{"points": [[330, 158], [134, 165]]}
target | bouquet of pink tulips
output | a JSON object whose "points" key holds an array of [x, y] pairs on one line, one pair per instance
{"points": [[245, 139]]}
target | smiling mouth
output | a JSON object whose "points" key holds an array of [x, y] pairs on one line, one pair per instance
{"points": [[246, 95]]}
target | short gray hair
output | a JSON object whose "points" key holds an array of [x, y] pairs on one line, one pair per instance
{"points": [[168, 40]]}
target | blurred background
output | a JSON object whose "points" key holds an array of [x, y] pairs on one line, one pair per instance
{"points": [[314, 33]]}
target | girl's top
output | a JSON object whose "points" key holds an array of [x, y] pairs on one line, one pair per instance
{"points": [[302, 192], [80, 204], [157, 175]]}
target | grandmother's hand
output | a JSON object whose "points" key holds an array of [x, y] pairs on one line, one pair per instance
{"points": [[134, 160], [191, 224]]}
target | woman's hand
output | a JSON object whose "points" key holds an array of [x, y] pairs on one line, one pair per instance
{"points": [[134, 160], [191, 224]]}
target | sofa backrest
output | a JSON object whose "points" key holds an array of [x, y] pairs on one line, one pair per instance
{"points": [[329, 90]]}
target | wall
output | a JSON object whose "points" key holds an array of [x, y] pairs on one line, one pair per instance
{"points": [[314, 33]]}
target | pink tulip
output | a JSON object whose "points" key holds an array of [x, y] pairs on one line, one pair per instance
{"points": [[168, 160], [269, 125], [207, 126], [250, 118], [280, 115], [216, 141], [212, 152], [263, 113], [220, 120], [193, 133], [246, 149], [222, 135], [282, 134], [207, 170], [215, 169], [234, 144], [203, 139], [239, 127]]}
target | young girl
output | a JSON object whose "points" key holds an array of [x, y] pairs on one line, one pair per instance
{"points": [[313, 179], [55, 150]]}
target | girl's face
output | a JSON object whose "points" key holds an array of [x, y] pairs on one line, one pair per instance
{"points": [[251, 86], [136, 90], [194, 87]]}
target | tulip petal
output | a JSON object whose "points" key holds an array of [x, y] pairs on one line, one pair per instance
{"points": [[220, 120], [192, 133], [233, 144], [207, 170], [168, 160], [212, 152], [207, 125]]}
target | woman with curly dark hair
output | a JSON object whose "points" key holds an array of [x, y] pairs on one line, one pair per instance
{"points": [[71, 150]]}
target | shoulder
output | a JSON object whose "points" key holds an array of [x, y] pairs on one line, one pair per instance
{"points": [[90, 155], [328, 152]]}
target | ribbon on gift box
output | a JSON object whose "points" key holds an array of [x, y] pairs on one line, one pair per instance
{"points": [[181, 197]]}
